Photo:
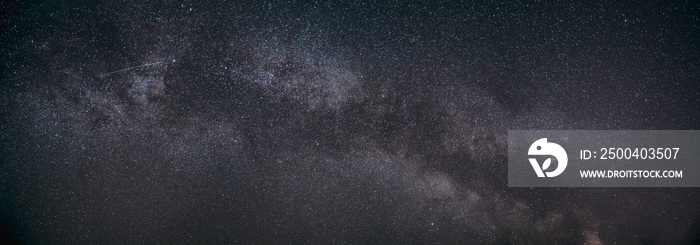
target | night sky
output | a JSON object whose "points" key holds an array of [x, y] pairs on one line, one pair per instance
{"points": [[362, 122]]}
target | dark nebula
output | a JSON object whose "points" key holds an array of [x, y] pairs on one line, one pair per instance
{"points": [[364, 122]]}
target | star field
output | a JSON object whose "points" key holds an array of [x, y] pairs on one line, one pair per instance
{"points": [[361, 122]]}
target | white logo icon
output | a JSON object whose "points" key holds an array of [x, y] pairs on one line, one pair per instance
{"points": [[543, 148]]}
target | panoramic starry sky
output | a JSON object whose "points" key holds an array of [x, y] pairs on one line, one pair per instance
{"points": [[361, 122]]}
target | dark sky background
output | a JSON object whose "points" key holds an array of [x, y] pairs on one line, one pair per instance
{"points": [[361, 122]]}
